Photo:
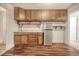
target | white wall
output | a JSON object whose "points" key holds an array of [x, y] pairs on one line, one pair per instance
{"points": [[11, 26], [2, 24], [71, 10]]}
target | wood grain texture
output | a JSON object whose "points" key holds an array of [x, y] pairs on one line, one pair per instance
{"points": [[41, 50], [55, 15], [28, 15], [30, 38], [36, 14], [19, 13]]}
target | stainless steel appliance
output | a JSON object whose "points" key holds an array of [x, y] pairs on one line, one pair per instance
{"points": [[48, 33]]}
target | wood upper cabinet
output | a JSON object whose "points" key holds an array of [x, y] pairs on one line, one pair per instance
{"points": [[36, 14], [27, 14], [45, 14], [52, 15], [40, 14], [61, 15], [64, 15], [19, 13]]}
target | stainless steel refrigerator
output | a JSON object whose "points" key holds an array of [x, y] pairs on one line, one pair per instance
{"points": [[48, 33]]}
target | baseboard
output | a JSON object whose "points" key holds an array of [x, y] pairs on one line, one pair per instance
{"points": [[73, 46], [3, 52]]}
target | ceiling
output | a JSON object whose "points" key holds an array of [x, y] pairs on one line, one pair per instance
{"points": [[75, 13], [43, 5]]}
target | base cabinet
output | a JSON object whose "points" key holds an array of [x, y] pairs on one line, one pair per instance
{"points": [[28, 38], [24, 39], [17, 40], [40, 41]]}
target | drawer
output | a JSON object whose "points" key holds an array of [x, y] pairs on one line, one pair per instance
{"points": [[34, 33], [17, 43], [17, 38], [32, 36], [40, 40], [40, 33], [17, 33], [32, 40], [24, 39], [33, 43]]}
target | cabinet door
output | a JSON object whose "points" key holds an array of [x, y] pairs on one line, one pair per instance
{"points": [[32, 40], [52, 15], [17, 39], [36, 15], [40, 40], [61, 15], [45, 15], [24, 39], [19, 13], [16, 13], [64, 15], [27, 15], [22, 14], [58, 15]]}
